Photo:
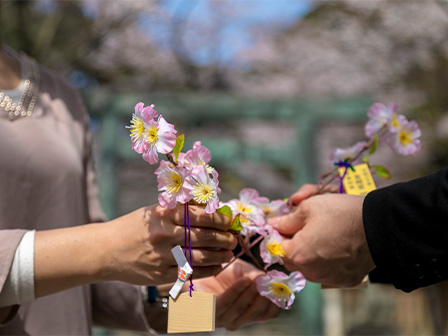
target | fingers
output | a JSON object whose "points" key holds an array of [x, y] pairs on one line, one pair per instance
{"points": [[233, 302], [289, 224], [205, 272], [255, 313], [227, 299], [207, 238], [272, 312], [247, 307], [198, 217], [210, 257], [305, 191]]}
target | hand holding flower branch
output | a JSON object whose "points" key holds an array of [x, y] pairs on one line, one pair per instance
{"points": [[187, 178]]}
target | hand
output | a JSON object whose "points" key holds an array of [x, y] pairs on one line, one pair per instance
{"points": [[144, 239], [238, 302], [134, 248], [328, 244]]}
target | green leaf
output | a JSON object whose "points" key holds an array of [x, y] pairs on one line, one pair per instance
{"points": [[236, 225], [180, 140], [374, 145], [365, 159], [226, 211], [382, 172]]}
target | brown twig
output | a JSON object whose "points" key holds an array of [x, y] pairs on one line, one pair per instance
{"points": [[242, 252], [170, 158]]}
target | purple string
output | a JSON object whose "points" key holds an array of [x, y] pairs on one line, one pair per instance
{"points": [[185, 229], [347, 165], [187, 224]]}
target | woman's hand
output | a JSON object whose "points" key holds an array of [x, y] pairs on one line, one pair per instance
{"points": [[143, 239], [238, 302], [134, 248]]}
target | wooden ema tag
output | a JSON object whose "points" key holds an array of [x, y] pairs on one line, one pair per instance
{"points": [[358, 182], [192, 314]]}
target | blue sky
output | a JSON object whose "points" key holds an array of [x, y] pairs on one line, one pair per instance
{"points": [[235, 36]]}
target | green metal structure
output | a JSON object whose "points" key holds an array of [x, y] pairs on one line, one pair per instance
{"points": [[114, 111]]}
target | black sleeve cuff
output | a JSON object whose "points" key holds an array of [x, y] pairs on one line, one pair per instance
{"points": [[406, 226]]}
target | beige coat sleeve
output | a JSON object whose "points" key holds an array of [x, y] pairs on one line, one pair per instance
{"points": [[118, 305], [95, 210]]}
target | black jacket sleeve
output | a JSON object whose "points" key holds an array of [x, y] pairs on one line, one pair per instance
{"points": [[406, 226]]}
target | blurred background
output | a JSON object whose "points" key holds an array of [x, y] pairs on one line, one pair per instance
{"points": [[270, 87]]}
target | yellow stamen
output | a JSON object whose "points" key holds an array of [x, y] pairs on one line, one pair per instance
{"points": [[137, 127], [395, 123], [175, 183], [267, 210], [245, 220], [202, 193], [405, 137], [241, 207], [276, 248], [151, 135], [280, 290]]}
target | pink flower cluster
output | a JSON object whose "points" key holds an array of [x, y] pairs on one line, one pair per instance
{"points": [[393, 129], [253, 212], [187, 176], [388, 127], [149, 136]]}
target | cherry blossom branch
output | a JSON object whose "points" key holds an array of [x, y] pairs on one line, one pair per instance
{"points": [[242, 252], [329, 177]]}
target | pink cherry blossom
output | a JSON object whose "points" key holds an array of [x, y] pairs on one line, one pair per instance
{"points": [[171, 182], [280, 288], [379, 116], [271, 209], [405, 139], [271, 249], [204, 188], [141, 117], [160, 138], [198, 156], [251, 216], [147, 113], [396, 122], [348, 154]]}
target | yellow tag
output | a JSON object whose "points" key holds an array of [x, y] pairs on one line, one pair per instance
{"points": [[358, 182], [192, 314]]}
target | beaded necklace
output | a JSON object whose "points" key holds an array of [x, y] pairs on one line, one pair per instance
{"points": [[24, 107]]}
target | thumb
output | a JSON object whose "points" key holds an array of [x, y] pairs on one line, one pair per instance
{"points": [[290, 248], [289, 224], [305, 191]]}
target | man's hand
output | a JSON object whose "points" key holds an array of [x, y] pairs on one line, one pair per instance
{"points": [[326, 240]]}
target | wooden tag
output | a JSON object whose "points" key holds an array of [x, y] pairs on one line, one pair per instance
{"points": [[358, 182], [192, 314]]}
